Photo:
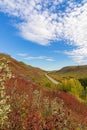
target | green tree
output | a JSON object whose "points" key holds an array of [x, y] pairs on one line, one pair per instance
{"points": [[48, 85], [84, 84], [77, 88]]}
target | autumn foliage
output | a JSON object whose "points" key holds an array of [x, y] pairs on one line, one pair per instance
{"points": [[31, 107]]}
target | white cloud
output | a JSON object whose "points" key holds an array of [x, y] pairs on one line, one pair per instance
{"points": [[50, 59], [78, 55], [58, 51], [22, 54], [75, 26], [38, 22], [27, 57], [42, 25], [39, 58]]}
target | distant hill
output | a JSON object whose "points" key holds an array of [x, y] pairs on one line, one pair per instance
{"points": [[71, 71]]}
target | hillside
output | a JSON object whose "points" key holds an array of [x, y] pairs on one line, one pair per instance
{"points": [[27, 103], [27, 72], [73, 79], [70, 71], [74, 70]]}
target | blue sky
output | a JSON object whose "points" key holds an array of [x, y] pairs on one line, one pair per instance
{"points": [[49, 34]]}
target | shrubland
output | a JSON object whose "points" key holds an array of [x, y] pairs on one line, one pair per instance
{"points": [[25, 105]]}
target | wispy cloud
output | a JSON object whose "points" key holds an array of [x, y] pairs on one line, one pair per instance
{"points": [[27, 57], [22, 54], [43, 21], [58, 51], [50, 59], [39, 58], [78, 55]]}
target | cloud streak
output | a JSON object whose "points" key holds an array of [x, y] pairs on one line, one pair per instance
{"points": [[46, 21], [39, 58], [78, 55], [27, 57], [22, 54]]}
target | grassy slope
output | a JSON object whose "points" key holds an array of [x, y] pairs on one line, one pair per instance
{"points": [[28, 72]]}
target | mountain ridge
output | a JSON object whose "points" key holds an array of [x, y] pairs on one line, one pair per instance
{"points": [[71, 71]]}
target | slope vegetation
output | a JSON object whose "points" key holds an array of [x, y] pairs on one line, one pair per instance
{"points": [[27, 104], [27, 72]]}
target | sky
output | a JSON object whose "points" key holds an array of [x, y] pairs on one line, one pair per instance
{"points": [[48, 34]]}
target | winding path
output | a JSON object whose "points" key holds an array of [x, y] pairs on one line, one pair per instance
{"points": [[52, 80]]}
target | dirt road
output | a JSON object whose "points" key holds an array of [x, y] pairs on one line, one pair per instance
{"points": [[51, 79]]}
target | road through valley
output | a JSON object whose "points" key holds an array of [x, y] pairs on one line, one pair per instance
{"points": [[51, 79]]}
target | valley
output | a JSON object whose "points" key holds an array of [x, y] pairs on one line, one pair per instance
{"points": [[37, 100], [51, 79]]}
